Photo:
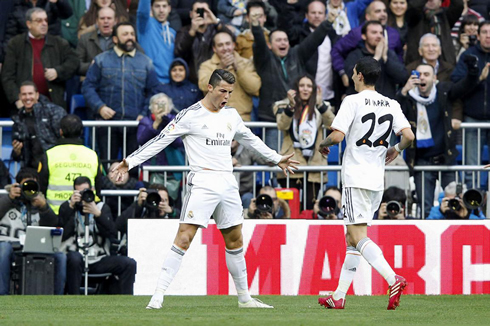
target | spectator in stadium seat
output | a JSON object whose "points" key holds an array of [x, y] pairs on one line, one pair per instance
{"points": [[232, 13], [94, 43], [279, 66], [280, 208], [102, 234], [427, 16], [118, 87], [448, 210], [247, 80], [375, 11], [245, 40], [467, 11], [69, 26], [55, 11], [87, 22], [396, 19], [45, 59], [161, 108], [301, 117], [428, 107], [155, 35], [348, 14], [476, 105], [36, 126], [67, 160], [6, 7], [13, 225], [141, 208], [393, 72], [317, 213], [192, 42], [467, 35], [182, 92]]}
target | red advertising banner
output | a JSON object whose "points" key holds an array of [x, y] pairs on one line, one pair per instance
{"points": [[299, 257]]}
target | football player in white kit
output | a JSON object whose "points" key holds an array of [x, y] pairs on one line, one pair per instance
{"points": [[207, 129], [366, 119]]}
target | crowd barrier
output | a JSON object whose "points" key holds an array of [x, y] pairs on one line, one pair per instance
{"points": [[288, 257]]}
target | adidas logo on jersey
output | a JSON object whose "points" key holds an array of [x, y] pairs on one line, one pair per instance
{"points": [[204, 127]]}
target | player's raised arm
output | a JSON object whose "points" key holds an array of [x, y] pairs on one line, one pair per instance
{"points": [[287, 164]]}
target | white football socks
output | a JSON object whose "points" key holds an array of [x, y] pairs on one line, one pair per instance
{"points": [[374, 256], [351, 262], [235, 261], [170, 267]]}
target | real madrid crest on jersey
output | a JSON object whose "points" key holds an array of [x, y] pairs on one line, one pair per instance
{"points": [[190, 214]]}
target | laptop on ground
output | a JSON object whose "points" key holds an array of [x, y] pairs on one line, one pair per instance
{"points": [[42, 240]]}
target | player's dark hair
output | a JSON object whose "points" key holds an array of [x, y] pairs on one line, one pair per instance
{"points": [[26, 173], [220, 74], [311, 102], [81, 180], [28, 83], [369, 23], [72, 126], [483, 23], [224, 31], [394, 193], [370, 69], [255, 4]]}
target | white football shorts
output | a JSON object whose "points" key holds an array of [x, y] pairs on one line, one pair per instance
{"points": [[212, 193], [360, 205]]}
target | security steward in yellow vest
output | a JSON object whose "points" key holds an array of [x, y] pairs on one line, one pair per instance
{"points": [[67, 161]]}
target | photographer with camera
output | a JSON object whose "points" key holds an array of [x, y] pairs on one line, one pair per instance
{"points": [[467, 34], [393, 205], [428, 106], [36, 126], [83, 205], [458, 204], [24, 205], [329, 207], [267, 206], [153, 202]]}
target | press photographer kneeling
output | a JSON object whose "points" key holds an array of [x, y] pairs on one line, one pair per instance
{"points": [[267, 205], [458, 203], [74, 214]]}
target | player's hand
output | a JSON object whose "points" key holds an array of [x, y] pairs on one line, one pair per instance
{"points": [[120, 170], [324, 150], [391, 154], [287, 164], [142, 196], [106, 112]]}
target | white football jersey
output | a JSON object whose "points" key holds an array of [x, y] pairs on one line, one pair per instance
{"points": [[207, 138], [367, 120]]}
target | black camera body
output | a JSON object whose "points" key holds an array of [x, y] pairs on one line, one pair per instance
{"points": [[472, 39], [454, 204], [327, 206], [29, 189], [88, 196], [153, 199], [20, 135], [264, 204]]}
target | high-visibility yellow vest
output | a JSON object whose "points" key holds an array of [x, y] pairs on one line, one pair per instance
{"points": [[65, 164]]}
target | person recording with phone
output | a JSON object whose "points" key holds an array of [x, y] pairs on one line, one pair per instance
{"points": [[153, 202], [24, 205], [458, 203], [74, 213]]}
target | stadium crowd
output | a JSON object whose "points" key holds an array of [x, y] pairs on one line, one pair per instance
{"points": [[146, 60]]}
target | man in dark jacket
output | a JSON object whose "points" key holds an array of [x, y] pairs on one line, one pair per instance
{"points": [[279, 66], [427, 16], [477, 102], [45, 59], [428, 107], [392, 70]]}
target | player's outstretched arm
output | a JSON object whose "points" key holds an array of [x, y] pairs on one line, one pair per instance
{"points": [[405, 142], [121, 169], [287, 164]]}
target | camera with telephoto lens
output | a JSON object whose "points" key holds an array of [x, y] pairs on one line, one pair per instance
{"points": [[473, 199], [393, 208], [454, 204], [20, 135], [29, 189], [264, 204], [153, 199], [327, 206], [86, 195]]}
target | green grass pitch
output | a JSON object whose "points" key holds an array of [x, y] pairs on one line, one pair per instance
{"points": [[223, 310]]}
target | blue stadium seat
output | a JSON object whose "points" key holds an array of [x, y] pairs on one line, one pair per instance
{"points": [[78, 107]]}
